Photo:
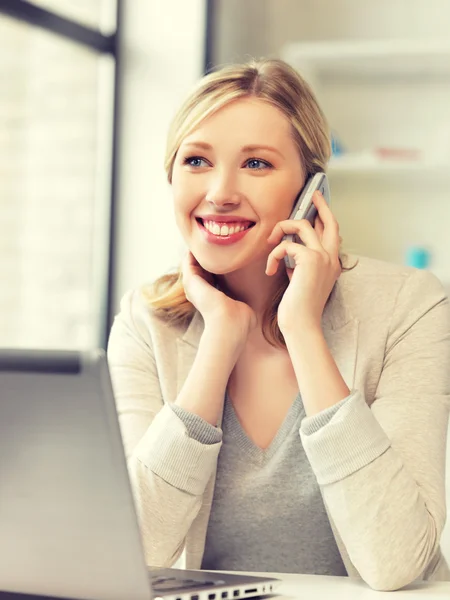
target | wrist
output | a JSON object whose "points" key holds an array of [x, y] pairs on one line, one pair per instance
{"points": [[308, 329], [221, 338]]}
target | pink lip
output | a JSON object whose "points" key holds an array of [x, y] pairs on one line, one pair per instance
{"points": [[222, 240]]}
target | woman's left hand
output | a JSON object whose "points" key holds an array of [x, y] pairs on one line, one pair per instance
{"points": [[316, 270]]}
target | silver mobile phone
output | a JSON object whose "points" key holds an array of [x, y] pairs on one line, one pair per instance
{"points": [[305, 209]]}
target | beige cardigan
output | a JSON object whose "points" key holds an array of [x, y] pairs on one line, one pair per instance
{"points": [[381, 469]]}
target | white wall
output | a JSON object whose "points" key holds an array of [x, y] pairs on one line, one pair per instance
{"points": [[163, 55]]}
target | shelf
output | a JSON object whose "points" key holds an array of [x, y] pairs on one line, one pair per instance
{"points": [[397, 59], [370, 163]]}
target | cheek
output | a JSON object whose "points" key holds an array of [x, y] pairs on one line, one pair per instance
{"points": [[277, 195], [182, 213], [186, 193], [277, 207], [182, 199], [286, 203]]}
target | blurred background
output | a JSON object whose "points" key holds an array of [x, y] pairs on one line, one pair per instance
{"points": [[88, 88], [87, 91]]}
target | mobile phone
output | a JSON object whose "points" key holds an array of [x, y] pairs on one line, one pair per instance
{"points": [[305, 209]]}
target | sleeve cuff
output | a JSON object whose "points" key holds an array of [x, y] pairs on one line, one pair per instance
{"points": [[170, 453], [346, 442], [198, 428], [312, 424]]}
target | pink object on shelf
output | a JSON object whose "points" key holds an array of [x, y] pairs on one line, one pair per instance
{"points": [[398, 153]]}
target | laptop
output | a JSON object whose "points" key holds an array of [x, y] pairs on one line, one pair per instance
{"points": [[68, 525]]}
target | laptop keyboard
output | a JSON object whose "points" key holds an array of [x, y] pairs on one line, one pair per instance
{"points": [[165, 584]]}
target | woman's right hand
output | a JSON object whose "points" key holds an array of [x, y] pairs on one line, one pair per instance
{"points": [[216, 308]]}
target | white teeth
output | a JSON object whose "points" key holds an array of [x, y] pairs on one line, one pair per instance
{"points": [[223, 230]]}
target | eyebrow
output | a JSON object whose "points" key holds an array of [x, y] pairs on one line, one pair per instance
{"points": [[249, 148]]}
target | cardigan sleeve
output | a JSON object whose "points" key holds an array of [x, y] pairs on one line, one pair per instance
{"points": [[168, 468], [198, 428], [382, 469]]}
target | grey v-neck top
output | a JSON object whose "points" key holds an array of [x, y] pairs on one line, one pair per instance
{"points": [[267, 512]]}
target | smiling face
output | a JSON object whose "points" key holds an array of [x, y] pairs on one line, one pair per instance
{"points": [[234, 177]]}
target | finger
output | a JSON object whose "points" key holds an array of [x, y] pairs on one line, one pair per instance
{"points": [[284, 249], [190, 267], [189, 259], [189, 264], [302, 228], [193, 262], [318, 226], [185, 263], [330, 237]]}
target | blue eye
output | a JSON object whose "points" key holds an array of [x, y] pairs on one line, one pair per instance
{"points": [[194, 161], [256, 164]]}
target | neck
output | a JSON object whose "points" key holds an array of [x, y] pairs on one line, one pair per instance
{"points": [[252, 286]]}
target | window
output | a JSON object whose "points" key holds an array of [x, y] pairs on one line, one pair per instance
{"points": [[56, 119]]}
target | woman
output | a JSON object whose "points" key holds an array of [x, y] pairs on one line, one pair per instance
{"points": [[279, 420]]}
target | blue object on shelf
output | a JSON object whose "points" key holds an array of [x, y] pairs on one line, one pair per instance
{"points": [[418, 257], [336, 146]]}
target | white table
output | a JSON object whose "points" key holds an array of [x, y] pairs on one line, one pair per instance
{"points": [[319, 587]]}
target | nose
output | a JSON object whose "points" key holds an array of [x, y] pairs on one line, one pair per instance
{"points": [[223, 193]]}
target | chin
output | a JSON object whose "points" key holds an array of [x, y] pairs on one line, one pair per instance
{"points": [[218, 269], [218, 266]]}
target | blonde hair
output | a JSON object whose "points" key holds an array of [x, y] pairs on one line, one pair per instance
{"points": [[278, 84]]}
